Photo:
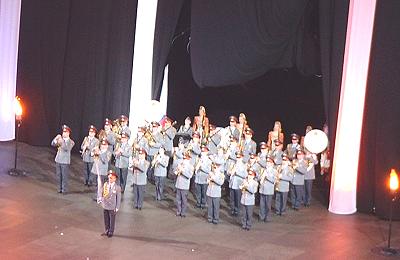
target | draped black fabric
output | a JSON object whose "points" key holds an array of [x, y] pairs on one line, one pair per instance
{"points": [[166, 23], [380, 143], [237, 41], [75, 64]]}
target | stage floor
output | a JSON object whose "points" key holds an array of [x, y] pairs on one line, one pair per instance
{"points": [[39, 223]]}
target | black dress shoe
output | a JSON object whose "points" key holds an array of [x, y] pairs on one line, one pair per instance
{"points": [[104, 234], [109, 235]]}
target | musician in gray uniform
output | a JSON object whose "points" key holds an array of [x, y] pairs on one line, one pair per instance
{"points": [[248, 188], [108, 134], [282, 187], [110, 199], [160, 163], [236, 178], [154, 146], [201, 171], [213, 139], [102, 157], [277, 152], [291, 151], [140, 141], [232, 128], [169, 133], [215, 180], [122, 153], [292, 148], [64, 146], [219, 159], [300, 169], [254, 164], [177, 158], [262, 155], [194, 147], [140, 166], [88, 145], [185, 132], [184, 173], [267, 188], [249, 145], [124, 125], [309, 177]]}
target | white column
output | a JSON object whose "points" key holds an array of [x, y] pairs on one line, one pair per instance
{"points": [[10, 11], [142, 63], [351, 108]]}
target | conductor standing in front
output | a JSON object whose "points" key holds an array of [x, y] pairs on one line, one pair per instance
{"points": [[110, 199]]}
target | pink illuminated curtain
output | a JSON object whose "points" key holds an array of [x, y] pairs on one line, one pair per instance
{"points": [[9, 34], [351, 108]]}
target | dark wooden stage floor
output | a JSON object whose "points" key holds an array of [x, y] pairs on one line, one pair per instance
{"points": [[38, 223]]}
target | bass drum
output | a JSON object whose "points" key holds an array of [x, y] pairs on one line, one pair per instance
{"points": [[316, 141]]}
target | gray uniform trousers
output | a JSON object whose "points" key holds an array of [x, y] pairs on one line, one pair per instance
{"points": [[235, 197], [265, 207], [87, 169], [308, 188], [122, 177], [62, 173], [247, 218], [160, 182], [109, 220], [299, 194], [201, 190], [138, 195], [150, 170], [213, 209], [181, 202], [280, 202]]}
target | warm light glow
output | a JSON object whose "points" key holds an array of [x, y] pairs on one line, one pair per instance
{"points": [[394, 181], [360, 25], [18, 107]]}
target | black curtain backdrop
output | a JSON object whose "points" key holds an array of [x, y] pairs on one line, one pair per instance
{"points": [[380, 147], [75, 64], [264, 99], [166, 24]]}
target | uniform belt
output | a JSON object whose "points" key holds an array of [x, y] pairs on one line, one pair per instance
{"points": [[300, 172]]}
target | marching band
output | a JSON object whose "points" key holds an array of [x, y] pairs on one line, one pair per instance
{"points": [[212, 161]]}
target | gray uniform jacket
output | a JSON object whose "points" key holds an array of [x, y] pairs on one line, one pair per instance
{"points": [[310, 174], [213, 143], [299, 172], [159, 141], [239, 174], [142, 143], [194, 151], [101, 164], [122, 160], [178, 158], [160, 168], [140, 172], [285, 179], [230, 162], [188, 131], [169, 136], [233, 131], [277, 156], [291, 150], [183, 179], [64, 150], [111, 139], [112, 200], [86, 155], [216, 179], [205, 168], [125, 129], [248, 194], [267, 181], [249, 147]]}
